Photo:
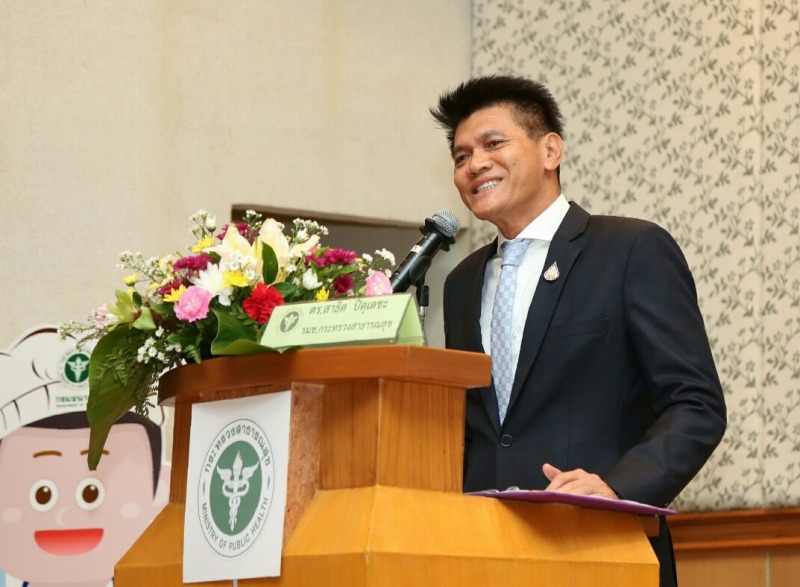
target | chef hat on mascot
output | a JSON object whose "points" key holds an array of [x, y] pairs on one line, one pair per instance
{"points": [[42, 376]]}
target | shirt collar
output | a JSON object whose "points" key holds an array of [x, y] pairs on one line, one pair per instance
{"points": [[544, 226]]}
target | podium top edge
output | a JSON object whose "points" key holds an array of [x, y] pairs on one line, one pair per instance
{"points": [[418, 364]]}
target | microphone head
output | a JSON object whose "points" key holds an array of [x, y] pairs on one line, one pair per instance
{"points": [[447, 223]]}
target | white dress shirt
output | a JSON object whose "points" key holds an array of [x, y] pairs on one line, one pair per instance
{"points": [[541, 230]]}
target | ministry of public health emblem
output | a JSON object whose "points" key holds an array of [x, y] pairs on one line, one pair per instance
{"points": [[290, 321], [236, 487], [74, 369]]}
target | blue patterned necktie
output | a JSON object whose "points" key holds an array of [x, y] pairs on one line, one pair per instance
{"points": [[502, 367]]}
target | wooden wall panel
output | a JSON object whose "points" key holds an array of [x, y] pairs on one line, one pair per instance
{"points": [[744, 548], [784, 568], [722, 569]]}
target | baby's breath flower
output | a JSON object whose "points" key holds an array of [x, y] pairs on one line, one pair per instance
{"points": [[386, 255]]}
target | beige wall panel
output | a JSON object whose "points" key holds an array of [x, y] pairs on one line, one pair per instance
{"points": [[120, 119]]}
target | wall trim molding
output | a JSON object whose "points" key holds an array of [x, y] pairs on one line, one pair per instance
{"points": [[752, 528]]}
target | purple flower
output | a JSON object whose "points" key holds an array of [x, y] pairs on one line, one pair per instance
{"points": [[339, 256], [193, 264], [343, 284], [318, 261], [193, 304]]}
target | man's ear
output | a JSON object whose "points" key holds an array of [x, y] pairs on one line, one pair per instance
{"points": [[554, 151]]}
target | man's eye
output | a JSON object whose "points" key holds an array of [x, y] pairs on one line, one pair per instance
{"points": [[493, 144], [460, 158]]}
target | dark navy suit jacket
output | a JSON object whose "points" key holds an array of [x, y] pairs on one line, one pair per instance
{"points": [[615, 374]]}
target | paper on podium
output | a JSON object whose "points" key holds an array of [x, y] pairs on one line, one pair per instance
{"points": [[585, 501]]}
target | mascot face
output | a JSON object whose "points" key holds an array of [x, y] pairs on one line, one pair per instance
{"points": [[61, 522]]}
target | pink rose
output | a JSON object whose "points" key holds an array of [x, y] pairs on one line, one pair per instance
{"points": [[193, 304], [378, 284]]}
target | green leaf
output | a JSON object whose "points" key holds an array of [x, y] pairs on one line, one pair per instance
{"points": [[190, 341], [242, 347], [236, 337], [287, 290], [145, 320], [270, 269], [164, 308], [230, 331], [108, 400]]}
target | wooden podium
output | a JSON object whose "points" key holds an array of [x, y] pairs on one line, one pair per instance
{"points": [[375, 483]]}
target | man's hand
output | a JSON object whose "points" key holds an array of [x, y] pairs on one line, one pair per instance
{"points": [[577, 482]]}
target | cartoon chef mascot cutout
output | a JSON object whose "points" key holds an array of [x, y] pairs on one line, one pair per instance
{"points": [[61, 523]]}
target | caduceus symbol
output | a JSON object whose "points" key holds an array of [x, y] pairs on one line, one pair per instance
{"points": [[78, 365], [235, 485]]}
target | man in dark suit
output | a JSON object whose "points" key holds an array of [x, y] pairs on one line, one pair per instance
{"points": [[612, 389]]}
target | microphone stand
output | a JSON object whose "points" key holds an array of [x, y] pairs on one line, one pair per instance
{"points": [[422, 299]]}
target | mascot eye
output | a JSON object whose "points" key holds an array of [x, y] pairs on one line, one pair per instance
{"points": [[43, 495], [90, 493]]}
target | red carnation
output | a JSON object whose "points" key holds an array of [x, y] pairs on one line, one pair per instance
{"points": [[193, 264], [343, 284], [339, 256], [311, 257], [262, 302]]}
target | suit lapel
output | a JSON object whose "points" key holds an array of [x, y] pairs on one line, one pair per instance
{"points": [[488, 394], [474, 295], [564, 253]]}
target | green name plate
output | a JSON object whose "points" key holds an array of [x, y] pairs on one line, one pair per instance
{"points": [[392, 319]]}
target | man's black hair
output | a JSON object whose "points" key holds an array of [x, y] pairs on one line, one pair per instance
{"points": [[533, 105]]}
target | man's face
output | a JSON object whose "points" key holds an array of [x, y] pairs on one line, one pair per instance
{"points": [[502, 174], [61, 522]]}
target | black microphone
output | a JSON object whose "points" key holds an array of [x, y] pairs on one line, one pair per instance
{"points": [[439, 232]]}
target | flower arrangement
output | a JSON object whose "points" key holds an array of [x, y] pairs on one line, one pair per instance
{"points": [[215, 300]]}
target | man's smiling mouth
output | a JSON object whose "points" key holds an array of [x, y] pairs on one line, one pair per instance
{"points": [[487, 186]]}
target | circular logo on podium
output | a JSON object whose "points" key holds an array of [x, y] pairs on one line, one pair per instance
{"points": [[236, 487]]}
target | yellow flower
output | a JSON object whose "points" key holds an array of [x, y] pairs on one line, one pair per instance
{"points": [[323, 294], [203, 244], [175, 294], [131, 279], [235, 279]]}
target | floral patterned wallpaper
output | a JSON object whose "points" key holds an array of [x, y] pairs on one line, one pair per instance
{"points": [[687, 113]]}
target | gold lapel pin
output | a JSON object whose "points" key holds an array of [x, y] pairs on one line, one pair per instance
{"points": [[552, 272]]}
